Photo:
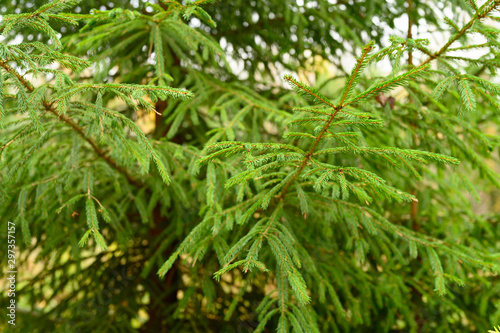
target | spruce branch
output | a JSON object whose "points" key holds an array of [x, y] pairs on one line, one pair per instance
{"points": [[317, 97], [308, 92], [481, 13], [384, 86], [48, 107], [357, 70], [101, 153]]}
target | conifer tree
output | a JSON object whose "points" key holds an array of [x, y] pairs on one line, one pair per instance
{"points": [[156, 187]]}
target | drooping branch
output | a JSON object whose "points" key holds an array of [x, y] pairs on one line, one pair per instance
{"points": [[78, 129]]}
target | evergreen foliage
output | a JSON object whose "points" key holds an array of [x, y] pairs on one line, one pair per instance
{"points": [[158, 189]]}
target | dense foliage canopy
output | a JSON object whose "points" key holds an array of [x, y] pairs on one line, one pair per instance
{"points": [[251, 166]]}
